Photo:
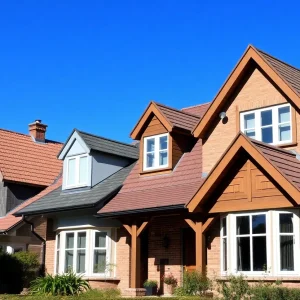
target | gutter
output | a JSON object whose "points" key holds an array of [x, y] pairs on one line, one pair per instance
{"points": [[42, 269]]}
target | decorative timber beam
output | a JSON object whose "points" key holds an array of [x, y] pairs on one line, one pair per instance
{"points": [[135, 231]]}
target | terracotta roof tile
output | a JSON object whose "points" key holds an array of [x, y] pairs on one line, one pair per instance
{"points": [[23, 160], [198, 110], [10, 220]]}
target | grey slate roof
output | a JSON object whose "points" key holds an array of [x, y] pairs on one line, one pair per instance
{"points": [[59, 200], [98, 143]]}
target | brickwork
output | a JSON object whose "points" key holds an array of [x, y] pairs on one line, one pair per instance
{"points": [[50, 247], [257, 92], [103, 284]]}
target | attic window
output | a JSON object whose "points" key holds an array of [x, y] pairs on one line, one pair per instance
{"points": [[156, 152], [77, 171]]}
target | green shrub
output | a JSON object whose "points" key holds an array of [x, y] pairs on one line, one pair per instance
{"points": [[194, 283], [30, 265], [101, 293], [150, 283], [65, 284]]}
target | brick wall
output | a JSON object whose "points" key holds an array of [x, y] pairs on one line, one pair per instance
{"points": [[50, 247], [257, 92], [213, 251]]}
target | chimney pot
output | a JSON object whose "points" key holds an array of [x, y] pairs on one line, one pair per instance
{"points": [[38, 131]]}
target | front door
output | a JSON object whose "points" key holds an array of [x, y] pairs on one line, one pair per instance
{"points": [[189, 246]]}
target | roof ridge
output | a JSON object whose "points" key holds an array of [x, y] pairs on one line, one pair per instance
{"points": [[178, 110], [104, 138], [283, 62], [197, 105]]}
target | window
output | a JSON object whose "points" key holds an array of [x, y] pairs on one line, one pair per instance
{"points": [[84, 252], [77, 171], [261, 243], [271, 125], [156, 152]]}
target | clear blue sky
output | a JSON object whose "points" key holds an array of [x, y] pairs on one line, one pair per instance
{"points": [[95, 65]]}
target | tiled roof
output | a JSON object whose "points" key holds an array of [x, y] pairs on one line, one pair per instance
{"points": [[102, 144], [148, 192], [178, 118], [198, 110], [67, 200], [10, 220], [23, 160], [289, 73], [285, 161]]}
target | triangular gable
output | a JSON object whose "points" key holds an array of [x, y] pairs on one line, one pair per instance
{"points": [[251, 55], [151, 110], [227, 161], [74, 137]]}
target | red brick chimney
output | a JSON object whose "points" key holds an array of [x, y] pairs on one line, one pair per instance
{"points": [[38, 131]]}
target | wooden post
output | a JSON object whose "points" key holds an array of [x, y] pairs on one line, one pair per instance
{"points": [[199, 248], [135, 270]]}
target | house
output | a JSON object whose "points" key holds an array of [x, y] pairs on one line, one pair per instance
{"points": [[28, 165], [213, 188]]}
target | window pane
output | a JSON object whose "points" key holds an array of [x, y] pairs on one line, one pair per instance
{"points": [[284, 132], [150, 160], [80, 268], [249, 121], [57, 261], [224, 227], [150, 145], [284, 114], [267, 135], [81, 239], [259, 224], [83, 169], [287, 253], [163, 143], [243, 253], [71, 171], [70, 240], [58, 241], [99, 261], [250, 133], [163, 158], [242, 225], [286, 223], [259, 253], [100, 239], [69, 261], [266, 117], [224, 254]]}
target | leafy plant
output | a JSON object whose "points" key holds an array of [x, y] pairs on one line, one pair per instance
{"points": [[150, 283], [30, 265], [194, 283], [61, 285], [110, 293], [170, 280]]}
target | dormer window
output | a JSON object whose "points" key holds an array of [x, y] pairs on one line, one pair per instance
{"points": [[77, 171], [156, 152], [270, 125]]}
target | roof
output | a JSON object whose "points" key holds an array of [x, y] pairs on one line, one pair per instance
{"points": [[58, 200], [102, 144], [171, 119], [283, 75], [198, 110], [160, 191], [9, 220], [25, 161], [282, 165]]}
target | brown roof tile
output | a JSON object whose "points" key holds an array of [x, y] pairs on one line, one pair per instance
{"points": [[198, 110], [10, 220], [141, 192], [23, 160]]}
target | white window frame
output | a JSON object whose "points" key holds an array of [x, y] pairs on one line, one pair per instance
{"points": [[156, 152], [89, 254], [77, 171], [275, 123], [224, 272]]}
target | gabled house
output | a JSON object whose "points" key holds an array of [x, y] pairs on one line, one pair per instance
{"points": [[213, 188], [28, 165]]}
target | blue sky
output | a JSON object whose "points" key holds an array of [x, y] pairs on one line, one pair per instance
{"points": [[95, 65]]}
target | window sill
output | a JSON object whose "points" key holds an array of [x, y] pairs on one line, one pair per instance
{"points": [[265, 277], [293, 144], [157, 171], [97, 278]]}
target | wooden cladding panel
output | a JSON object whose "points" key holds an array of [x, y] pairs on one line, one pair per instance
{"points": [[250, 189], [154, 127]]}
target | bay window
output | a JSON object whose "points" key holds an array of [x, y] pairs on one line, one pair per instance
{"points": [[76, 171], [156, 152], [272, 125], [86, 252], [262, 243]]}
